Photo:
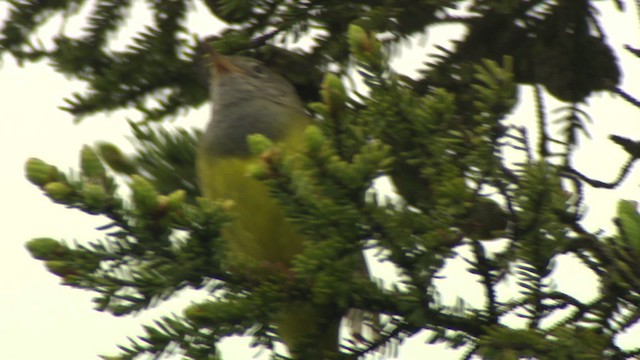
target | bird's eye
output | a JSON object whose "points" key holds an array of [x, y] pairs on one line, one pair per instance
{"points": [[259, 69]]}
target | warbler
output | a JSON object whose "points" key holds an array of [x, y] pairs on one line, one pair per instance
{"points": [[249, 98]]}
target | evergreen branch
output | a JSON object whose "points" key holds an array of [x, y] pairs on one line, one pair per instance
{"points": [[574, 123], [398, 331], [632, 318], [104, 20], [444, 147], [170, 336], [24, 19], [167, 158]]}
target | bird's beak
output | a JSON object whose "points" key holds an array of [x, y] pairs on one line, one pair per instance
{"points": [[222, 64]]}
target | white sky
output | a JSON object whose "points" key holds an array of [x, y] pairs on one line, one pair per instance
{"points": [[39, 319]]}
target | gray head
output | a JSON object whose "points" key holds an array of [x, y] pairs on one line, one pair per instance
{"points": [[239, 78], [248, 98]]}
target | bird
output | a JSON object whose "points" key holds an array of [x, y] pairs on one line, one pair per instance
{"points": [[249, 98]]}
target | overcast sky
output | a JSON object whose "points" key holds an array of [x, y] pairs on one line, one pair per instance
{"points": [[39, 319]]}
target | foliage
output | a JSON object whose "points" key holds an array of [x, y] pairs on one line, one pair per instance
{"points": [[441, 137]]}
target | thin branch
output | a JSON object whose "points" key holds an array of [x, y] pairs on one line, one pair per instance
{"points": [[630, 99], [484, 268], [626, 169], [543, 146]]}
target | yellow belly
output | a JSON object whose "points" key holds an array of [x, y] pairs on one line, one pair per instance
{"points": [[259, 229]]}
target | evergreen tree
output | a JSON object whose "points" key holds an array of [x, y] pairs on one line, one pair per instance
{"points": [[441, 137]]}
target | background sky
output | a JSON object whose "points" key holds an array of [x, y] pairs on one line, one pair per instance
{"points": [[39, 319]]}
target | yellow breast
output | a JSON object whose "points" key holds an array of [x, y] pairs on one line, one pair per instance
{"points": [[259, 229]]}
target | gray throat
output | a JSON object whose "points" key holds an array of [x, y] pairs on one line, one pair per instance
{"points": [[226, 134]]}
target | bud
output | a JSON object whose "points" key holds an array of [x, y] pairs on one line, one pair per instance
{"points": [[58, 191], [117, 310], [259, 143], [39, 172], [176, 199], [171, 202], [313, 138], [320, 109], [364, 45], [46, 248], [94, 196], [195, 313], [116, 160], [333, 92], [60, 268], [629, 221], [163, 203], [357, 37], [90, 163], [145, 195]]}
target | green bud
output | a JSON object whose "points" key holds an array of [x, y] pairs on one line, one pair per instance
{"points": [[116, 160], [364, 45], [163, 203], [46, 248], [145, 195], [629, 221], [333, 92], [356, 36], [205, 312], [60, 268], [119, 310], [94, 196], [259, 143], [314, 138], [319, 108], [195, 313], [58, 191], [90, 164], [39, 172], [172, 202], [176, 199]]}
